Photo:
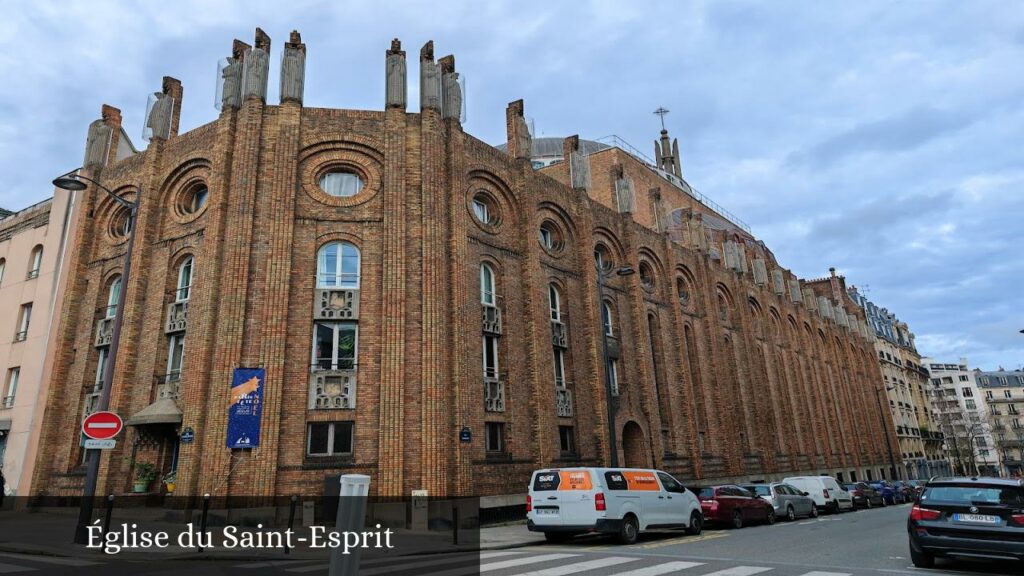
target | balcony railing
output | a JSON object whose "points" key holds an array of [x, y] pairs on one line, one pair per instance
{"points": [[177, 317], [613, 346], [563, 401], [559, 334], [9, 401], [494, 395], [332, 388], [32, 274], [21, 336], [491, 319], [168, 385]]}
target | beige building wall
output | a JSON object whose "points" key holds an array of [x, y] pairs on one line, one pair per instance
{"points": [[23, 352]]}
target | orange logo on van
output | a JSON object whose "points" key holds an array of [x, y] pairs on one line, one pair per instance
{"points": [[641, 481], [574, 480]]}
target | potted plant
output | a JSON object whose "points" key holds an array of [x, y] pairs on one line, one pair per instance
{"points": [[145, 473], [169, 480]]}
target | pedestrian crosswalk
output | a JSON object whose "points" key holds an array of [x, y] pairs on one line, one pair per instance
{"points": [[546, 562]]}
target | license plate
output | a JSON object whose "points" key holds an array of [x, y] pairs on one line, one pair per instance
{"points": [[546, 511], [976, 518]]}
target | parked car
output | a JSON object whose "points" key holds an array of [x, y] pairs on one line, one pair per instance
{"points": [[828, 495], [918, 486], [908, 491], [733, 506], [622, 501], [788, 502], [864, 496], [968, 518], [889, 493]]}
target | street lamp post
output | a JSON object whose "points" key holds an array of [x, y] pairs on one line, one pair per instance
{"points": [[608, 392], [73, 181], [888, 442]]}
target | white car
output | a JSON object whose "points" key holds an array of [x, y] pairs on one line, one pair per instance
{"points": [[563, 502], [828, 495]]}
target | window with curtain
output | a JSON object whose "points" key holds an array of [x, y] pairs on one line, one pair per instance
{"points": [[337, 266], [341, 183], [184, 291], [113, 295], [487, 287], [555, 301]]}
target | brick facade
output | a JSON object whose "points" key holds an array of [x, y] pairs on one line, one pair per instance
{"points": [[737, 380]]}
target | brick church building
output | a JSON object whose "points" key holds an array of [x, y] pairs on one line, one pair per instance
{"points": [[434, 311]]}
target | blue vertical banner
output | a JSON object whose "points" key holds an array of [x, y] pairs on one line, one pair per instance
{"points": [[246, 407]]}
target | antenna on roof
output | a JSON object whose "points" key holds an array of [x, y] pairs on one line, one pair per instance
{"points": [[661, 114]]}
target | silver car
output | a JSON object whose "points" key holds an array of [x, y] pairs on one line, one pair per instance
{"points": [[789, 502]]}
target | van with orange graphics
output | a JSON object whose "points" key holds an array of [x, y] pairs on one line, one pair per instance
{"points": [[564, 502]]}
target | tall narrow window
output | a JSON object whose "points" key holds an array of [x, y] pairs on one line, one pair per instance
{"points": [[490, 357], [335, 345], [3, 267], [495, 436], [487, 288], [329, 438], [566, 440], [113, 296], [337, 266], [24, 319], [175, 356], [606, 313], [101, 366], [36, 262], [555, 301], [12, 387], [613, 376], [559, 368], [184, 291]]}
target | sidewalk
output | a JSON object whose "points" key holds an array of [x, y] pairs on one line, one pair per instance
{"points": [[50, 534]]}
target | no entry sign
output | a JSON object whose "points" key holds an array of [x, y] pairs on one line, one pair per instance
{"points": [[102, 425]]}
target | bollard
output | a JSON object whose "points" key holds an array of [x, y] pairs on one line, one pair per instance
{"points": [[106, 517], [351, 518], [202, 522], [455, 525], [291, 521]]}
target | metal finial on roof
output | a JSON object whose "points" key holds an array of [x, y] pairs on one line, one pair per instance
{"points": [[661, 114]]}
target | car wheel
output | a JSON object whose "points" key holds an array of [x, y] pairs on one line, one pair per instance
{"points": [[696, 524], [921, 559], [629, 531], [557, 537], [737, 519], [814, 510], [867, 503], [790, 514], [833, 507], [771, 516]]}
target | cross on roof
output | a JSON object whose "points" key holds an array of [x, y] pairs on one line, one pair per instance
{"points": [[661, 113]]}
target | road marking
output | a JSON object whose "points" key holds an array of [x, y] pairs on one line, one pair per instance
{"points": [[522, 561], [816, 573], [683, 540], [49, 559], [581, 566], [496, 554], [661, 569], [740, 571], [421, 564], [9, 568]]}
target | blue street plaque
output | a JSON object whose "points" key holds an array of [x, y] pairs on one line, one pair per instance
{"points": [[245, 408], [188, 435], [465, 435]]}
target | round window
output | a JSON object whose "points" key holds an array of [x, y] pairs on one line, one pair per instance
{"points": [[603, 258], [550, 236], [646, 276], [120, 223], [341, 183], [484, 210], [684, 292], [194, 199]]}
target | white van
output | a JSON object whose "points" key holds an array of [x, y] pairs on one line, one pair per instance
{"points": [[828, 495], [563, 502]]}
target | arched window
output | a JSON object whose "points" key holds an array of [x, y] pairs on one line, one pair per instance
{"points": [[487, 288], [683, 292], [555, 300], [337, 266], [184, 291], [3, 266], [113, 296], [603, 258], [36, 262], [723, 307], [606, 313]]}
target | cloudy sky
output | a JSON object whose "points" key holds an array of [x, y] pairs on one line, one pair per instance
{"points": [[885, 139]]}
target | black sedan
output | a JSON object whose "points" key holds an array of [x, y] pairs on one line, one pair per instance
{"points": [[968, 518]]}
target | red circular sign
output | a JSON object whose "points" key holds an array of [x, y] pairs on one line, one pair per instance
{"points": [[102, 425]]}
